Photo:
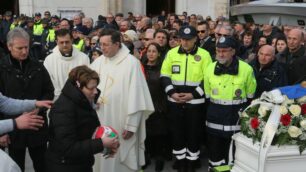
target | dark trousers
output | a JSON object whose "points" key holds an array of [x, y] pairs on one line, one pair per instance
{"points": [[54, 167], [186, 131], [37, 155], [155, 146], [218, 150]]}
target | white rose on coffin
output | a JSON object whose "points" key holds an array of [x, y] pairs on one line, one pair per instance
{"points": [[295, 110], [263, 110], [283, 110], [294, 131], [303, 124]]}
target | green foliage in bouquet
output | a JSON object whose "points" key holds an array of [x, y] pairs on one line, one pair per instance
{"points": [[292, 127]]}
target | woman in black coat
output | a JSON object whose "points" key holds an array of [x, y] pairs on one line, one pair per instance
{"points": [[73, 121], [156, 124]]}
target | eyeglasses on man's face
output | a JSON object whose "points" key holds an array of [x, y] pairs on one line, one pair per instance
{"points": [[219, 35], [147, 39], [201, 31]]}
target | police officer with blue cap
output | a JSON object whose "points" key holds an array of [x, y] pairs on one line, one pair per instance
{"points": [[229, 83]]}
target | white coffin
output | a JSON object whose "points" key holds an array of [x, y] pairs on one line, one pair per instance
{"points": [[279, 159]]}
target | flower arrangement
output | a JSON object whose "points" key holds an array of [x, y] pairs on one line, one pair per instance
{"points": [[292, 126]]}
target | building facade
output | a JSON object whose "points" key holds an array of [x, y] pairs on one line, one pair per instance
{"points": [[93, 8]]}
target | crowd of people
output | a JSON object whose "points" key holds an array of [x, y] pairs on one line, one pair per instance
{"points": [[170, 84]]}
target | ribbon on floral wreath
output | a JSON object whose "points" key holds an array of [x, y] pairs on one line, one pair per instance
{"points": [[270, 99], [275, 97]]}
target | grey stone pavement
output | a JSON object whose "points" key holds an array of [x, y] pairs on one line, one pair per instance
{"points": [[151, 168], [168, 166]]}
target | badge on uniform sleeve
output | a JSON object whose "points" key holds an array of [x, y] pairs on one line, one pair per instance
{"points": [[176, 69], [197, 58], [215, 91], [238, 93]]}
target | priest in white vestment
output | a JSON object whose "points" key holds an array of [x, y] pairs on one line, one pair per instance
{"points": [[63, 58], [125, 103]]}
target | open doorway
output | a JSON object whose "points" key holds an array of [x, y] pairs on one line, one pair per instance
{"points": [[154, 7], [12, 5]]}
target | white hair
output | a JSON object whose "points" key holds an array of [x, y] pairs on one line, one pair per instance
{"points": [[17, 33]]}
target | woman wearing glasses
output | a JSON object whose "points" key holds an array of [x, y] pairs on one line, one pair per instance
{"points": [[73, 120]]}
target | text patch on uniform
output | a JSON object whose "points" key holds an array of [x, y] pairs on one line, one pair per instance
{"points": [[176, 69]]}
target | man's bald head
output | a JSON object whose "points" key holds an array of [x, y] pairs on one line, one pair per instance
{"points": [[268, 48], [266, 55], [295, 39]]}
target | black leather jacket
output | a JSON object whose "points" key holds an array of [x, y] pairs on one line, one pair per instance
{"points": [[269, 77]]}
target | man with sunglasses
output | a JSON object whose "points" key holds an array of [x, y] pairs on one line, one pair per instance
{"points": [[47, 15], [204, 40], [223, 30]]}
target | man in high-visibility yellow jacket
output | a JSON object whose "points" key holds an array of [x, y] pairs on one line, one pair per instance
{"points": [[78, 35], [15, 23], [182, 78], [37, 32], [47, 39], [37, 29], [228, 83]]}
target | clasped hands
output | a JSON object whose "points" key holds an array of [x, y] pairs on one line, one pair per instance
{"points": [[182, 97]]}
